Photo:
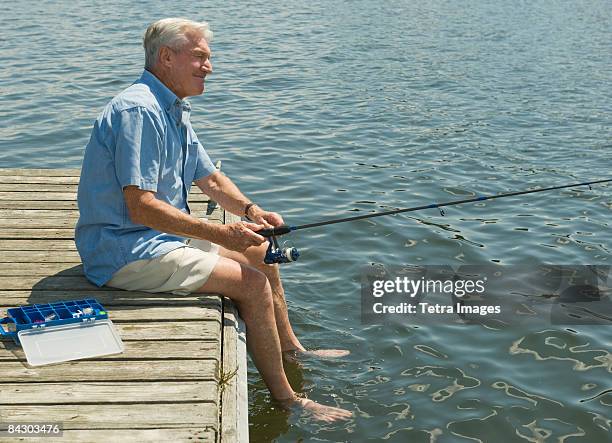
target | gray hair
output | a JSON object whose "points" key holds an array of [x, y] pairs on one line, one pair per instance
{"points": [[170, 32]]}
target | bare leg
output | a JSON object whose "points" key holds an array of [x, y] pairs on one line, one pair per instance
{"points": [[290, 344], [254, 258], [251, 292]]}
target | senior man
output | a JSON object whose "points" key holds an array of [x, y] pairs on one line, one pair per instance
{"points": [[135, 231]]}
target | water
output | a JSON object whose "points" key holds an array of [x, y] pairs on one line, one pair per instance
{"points": [[322, 109]]}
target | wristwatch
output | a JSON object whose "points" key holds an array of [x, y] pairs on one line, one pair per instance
{"points": [[246, 210]]}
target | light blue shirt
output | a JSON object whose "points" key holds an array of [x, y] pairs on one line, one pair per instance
{"points": [[143, 137]]}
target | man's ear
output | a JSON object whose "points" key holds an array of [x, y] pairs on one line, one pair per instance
{"points": [[165, 56]]}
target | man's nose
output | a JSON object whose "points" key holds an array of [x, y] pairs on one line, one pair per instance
{"points": [[207, 67]]}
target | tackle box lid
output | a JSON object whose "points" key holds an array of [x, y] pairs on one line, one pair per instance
{"points": [[43, 346]]}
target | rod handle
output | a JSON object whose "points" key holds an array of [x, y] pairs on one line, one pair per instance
{"points": [[275, 232]]}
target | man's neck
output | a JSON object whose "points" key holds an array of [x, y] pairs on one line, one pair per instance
{"points": [[165, 78]]}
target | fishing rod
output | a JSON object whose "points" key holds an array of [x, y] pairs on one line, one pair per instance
{"points": [[277, 255]]}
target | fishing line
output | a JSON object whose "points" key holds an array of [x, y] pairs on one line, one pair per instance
{"points": [[285, 229], [275, 254]]}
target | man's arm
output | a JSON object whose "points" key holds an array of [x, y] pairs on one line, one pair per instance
{"points": [[222, 190], [144, 209]]}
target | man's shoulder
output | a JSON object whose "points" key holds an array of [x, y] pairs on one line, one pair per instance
{"points": [[137, 95]]}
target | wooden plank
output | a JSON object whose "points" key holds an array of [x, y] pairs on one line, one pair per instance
{"points": [[47, 283], [10, 221], [54, 205], [234, 396], [191, 330], [126, 435], [40, 218], [242, 381], [54, 283], [40, 172], [40, 269], [38, 196], [105, 393], [57, 187], [26, 180], [36, 245], [38, 187], [196, 206], [45, 256], [35, 196], [157, 415], [65, 222], [26, 232], [139, 350], [107, 296], [69, 214], [73, 214], [25, 242], [108, 370], [165, 313], [229, 393]]}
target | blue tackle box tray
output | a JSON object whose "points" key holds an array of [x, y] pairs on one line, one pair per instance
{"points": [[62, 331], [51, 314]]}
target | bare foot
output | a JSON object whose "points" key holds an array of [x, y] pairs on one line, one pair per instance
{"points": [[327, 353], [328, 414], [298, 354]]}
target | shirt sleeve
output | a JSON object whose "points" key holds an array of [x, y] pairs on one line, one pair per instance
{"points": [[205, 165], [138, 147]]}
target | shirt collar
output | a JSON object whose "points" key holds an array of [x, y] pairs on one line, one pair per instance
{"points": [[177, 108]]}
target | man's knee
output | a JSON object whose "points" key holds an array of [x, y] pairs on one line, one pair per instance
{"points": [[254, 279], [255, 293], [237, 281]]}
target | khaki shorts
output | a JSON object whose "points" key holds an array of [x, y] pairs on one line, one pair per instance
{"points": [[181, 271]]}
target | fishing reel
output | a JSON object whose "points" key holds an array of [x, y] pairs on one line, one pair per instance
{"points": [[276, 254]]}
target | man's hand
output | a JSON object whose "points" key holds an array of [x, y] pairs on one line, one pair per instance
{"points": [[265, 218], [240, 235]]}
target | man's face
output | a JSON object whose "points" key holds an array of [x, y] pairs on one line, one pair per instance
{"points": [[189, 67]]}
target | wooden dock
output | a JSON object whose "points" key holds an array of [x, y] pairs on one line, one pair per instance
{"points": [[165, 386]]}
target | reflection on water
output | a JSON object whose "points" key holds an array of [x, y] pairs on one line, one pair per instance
{"points": [[563, 345], [455, 376]]}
